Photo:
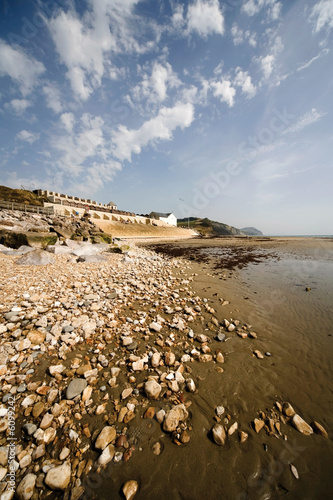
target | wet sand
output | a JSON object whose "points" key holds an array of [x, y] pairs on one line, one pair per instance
{"points": [[266, 288]]}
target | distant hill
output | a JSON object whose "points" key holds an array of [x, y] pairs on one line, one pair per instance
{"points": [[208, 228], [20, 196], [251, 231]]}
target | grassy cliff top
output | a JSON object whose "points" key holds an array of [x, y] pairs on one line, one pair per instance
{"points": [[208, 228], [21, 196]]}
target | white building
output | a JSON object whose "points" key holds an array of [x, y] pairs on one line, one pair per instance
{"points": [[169, 218]]}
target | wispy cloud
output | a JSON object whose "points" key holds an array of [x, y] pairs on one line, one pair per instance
{"points": [[53, 98], [322, 15], [305, 120], [253, 7], [312, 60]]}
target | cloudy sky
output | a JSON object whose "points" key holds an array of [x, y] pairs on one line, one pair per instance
{"points": [[203, 107]]}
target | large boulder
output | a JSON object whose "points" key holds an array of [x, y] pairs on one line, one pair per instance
{"points": [[36, 258], [15, 239]]}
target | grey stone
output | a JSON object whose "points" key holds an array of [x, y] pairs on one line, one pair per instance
{"points": [[36, 258], [132, 346], [220, 337], [26, 488], [30, 428], [75, 388], [92, 258]]}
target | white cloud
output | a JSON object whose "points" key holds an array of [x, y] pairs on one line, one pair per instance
{"points": [[177, 19], [251, 37], [244, 81], [95, 177], [19, 105], [75, 149], [307, 119], [239, 36], [27, 136], [126, 142], [24, 70], [267, 65], [205, 18], [322, 15], [67, 120], [85, 45], [154, 87], [253, 7], [224, 91], [52, 96]]}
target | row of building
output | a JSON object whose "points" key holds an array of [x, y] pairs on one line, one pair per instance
{"points": [[75, 206]]}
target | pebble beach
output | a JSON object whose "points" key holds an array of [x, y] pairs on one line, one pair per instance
{"points": [[137, 375]]}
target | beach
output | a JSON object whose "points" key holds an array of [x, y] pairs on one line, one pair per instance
{"points": [[266, 281], [223, 334]]}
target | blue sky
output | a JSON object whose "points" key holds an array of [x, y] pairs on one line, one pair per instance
{"points": [[204, 108]]}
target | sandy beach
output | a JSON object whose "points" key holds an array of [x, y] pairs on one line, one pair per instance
{"points": [[224, 338]]}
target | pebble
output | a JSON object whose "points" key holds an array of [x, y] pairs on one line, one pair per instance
{"points": [[38, 409], [160, 415], [170, 359], [26, 488], [156, 327], [130, 489], [56, 369], [288, 410], [30, 428], [319, 429], [157, 448], [301, 425], [155, 359], [220, 337], [258, 425], [106, 436], [232, 428], [294, 471], [190, 385], [126, 393], [152, 389], [243, 436], [58, 478], [259, 354], [75, 388], [173, 417], [107, 455], [219, 434], [64, 453]]}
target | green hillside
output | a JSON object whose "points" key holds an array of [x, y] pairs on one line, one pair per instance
{"points": [[208, 228]]}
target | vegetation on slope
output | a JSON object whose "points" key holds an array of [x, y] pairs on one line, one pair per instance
{"points": [[208, 228], [21, 196]]}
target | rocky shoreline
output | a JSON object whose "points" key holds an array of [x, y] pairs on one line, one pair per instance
{"points": [[89, 351]]}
